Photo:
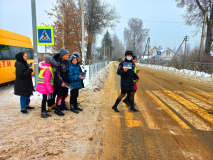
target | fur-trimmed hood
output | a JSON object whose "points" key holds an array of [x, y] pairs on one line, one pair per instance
{"points": [[44, 65]]}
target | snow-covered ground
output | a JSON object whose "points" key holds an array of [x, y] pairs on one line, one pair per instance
{"points": [[28, 136], [184, 73]]}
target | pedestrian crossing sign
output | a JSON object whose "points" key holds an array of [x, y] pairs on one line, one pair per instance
{"points": [[45, 35]]}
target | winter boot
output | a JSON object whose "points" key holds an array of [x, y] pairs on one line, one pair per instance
{"points": [[24, 111], [77, 108], [72, 109], [126, 101], [45, 115], [63, 107], [58, 111], [78, 103], [116, 105], [51, 107], [132, 107], [28, 107]]}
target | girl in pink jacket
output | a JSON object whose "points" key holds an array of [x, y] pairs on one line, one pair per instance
{"points": [[45, 83]]}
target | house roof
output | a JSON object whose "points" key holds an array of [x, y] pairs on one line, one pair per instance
{"points": [[155, 54]]}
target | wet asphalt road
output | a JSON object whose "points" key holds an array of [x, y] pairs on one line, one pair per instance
{"points": [[174, 121]]}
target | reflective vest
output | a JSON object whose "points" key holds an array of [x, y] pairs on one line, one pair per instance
{"points": [[41, 78], [135, 72]]}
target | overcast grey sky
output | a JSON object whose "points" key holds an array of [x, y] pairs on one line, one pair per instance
{"points": [[157, 15]]}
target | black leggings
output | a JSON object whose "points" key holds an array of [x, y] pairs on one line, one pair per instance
{"points": [[73, 97], [131, 96], [43, 103]]}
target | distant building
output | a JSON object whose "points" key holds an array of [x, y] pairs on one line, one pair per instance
{"points": [[166, 54], [153, 51]]}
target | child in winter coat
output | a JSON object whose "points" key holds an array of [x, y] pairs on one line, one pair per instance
{"points": [[127, 84], [45, 83], [75, 80], [82, 80], [127, 99], [60, 80]]}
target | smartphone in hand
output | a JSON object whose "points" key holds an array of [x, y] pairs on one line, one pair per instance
{"points": [[31, 64]]}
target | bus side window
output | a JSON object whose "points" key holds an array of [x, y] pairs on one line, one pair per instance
{"points": [[14, 50], [4, 52], [29, 52]]}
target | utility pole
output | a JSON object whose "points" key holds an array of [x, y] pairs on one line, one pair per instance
{"points": [[63, 30], [109, 53], [34, 25], [104, 49], [178, 49], [45, 50], [186, 39], [82, 43], [202, 35], [148, 49]]}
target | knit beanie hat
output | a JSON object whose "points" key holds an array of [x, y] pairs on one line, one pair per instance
{"points": [[134, 57], [73, 57], [63, 52], [77, 56], [47, 59], [128, 53]]}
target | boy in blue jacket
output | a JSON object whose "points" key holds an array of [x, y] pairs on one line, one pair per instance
{"points": [[127, 76], [75, 80]]}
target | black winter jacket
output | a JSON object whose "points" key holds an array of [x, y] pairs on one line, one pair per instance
{"points": [[23, 83], [127, 77], [60, 71]]}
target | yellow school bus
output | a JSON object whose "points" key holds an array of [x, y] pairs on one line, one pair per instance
{"points": [[10, 44]]}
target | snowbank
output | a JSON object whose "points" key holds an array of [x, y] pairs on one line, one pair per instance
{"points": [[184, 73], [96, 81]]}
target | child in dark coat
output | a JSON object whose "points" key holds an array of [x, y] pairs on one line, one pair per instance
{"points": [[75, 80], [60, 80], [127, 76], [127, 99]]}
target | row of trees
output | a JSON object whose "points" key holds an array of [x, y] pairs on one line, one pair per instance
{"points": [[99, 15], [195, 13], [135, 36], [67, 23]]}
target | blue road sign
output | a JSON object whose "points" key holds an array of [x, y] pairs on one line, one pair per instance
{"points": [[45, 35], [158, 52]]}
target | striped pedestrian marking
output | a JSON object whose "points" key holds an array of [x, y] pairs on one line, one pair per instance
{"points": [[130, 122], [200, 97], [168, 111], [202, 112], [182, 111], [147, 117]]}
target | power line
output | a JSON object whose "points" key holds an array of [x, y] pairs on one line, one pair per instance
{"points": [[155, 21]]}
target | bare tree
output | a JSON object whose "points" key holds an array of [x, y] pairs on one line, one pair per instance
{"points": [[135, 35], [67, 26], [100, 15], [195, 11], [118, 51]]}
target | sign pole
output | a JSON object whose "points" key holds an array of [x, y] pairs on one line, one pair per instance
{"points": [[45, 50], [33, 10], [82, 24]]}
